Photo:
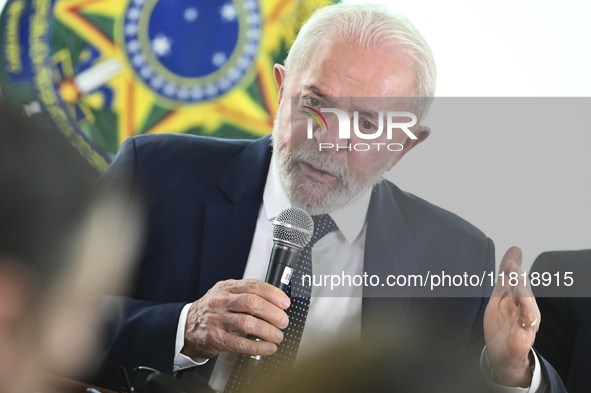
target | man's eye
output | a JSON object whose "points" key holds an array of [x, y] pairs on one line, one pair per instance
{"points": [[313, 102], [367, 125]]}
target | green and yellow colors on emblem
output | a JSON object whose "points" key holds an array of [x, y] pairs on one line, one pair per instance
{"points": [[105, 70]]}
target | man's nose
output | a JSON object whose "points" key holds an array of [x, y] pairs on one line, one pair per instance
{"points": [[328, 137]]}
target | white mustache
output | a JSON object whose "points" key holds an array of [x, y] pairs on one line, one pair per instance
{"points": [[324, 161]]}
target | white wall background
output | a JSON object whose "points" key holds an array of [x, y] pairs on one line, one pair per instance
{"points": [[506, 47], [528, 183]]}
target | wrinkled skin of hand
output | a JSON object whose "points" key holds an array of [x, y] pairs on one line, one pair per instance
{"points": [[236, 306], [508, 342]]}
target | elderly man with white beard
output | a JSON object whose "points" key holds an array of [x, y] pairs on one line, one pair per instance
{"points": [[200, 289]]}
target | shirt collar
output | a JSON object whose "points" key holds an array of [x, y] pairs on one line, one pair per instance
{"points": [[350, 220]]}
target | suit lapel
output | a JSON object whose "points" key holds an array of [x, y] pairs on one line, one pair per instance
{"points": [[229, 228], [387, 232]]}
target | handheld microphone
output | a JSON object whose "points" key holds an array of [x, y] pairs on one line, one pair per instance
{"points": [[292, 230]]}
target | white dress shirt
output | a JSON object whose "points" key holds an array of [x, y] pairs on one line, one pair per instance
{"points": [[330, 319]]}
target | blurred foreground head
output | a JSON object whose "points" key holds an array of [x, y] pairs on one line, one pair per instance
{"points": [[63, 245]]}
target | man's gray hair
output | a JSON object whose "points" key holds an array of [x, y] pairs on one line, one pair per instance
{"points": [[371, 26]]}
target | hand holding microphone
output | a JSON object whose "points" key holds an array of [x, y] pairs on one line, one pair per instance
{"points": [[292, 230], [250, 306]]}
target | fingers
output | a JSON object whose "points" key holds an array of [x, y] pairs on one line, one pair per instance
{"points": [[207, 340], [528, 313], [265, 290], [513, 254], [236, 306], [519, 290], [260, 299], [246, 324], [238, 344], [255, 305], [510, 274], [511, 322]]}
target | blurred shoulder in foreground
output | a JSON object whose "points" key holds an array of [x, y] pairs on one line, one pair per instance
{"points": [[400, 366]]}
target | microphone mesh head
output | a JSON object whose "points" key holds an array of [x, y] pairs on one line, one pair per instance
{"points": [[294, 226]]}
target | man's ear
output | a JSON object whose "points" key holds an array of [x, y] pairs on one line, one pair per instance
{"points": [[279, 73], [422, 133]]}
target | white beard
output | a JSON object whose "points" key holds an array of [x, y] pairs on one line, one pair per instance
{"points": [[301, 190]]}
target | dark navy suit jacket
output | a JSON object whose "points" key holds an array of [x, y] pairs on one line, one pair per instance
{"points": [[203, 197], [564, 337]]}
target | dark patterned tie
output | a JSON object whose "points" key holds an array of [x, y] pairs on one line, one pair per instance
{"points": [[283, 359]]}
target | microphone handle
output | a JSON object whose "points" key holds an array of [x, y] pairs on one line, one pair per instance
{"points": [[281, 264], [283, 260]]}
